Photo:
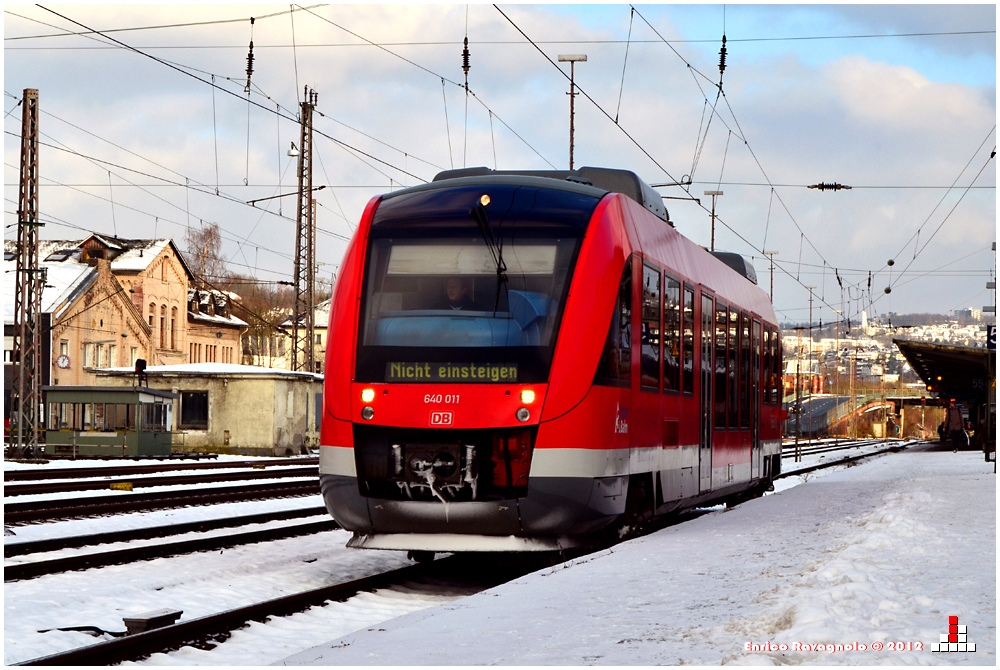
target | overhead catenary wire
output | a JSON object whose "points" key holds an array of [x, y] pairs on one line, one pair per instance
{"points": [[628, 42], [215, 138], [641, 148], [943, 221], [233, 93], [443, 78], [447, 127], [191, 24], [771, 186], [466, 66], [916, 235], [587, 96]]}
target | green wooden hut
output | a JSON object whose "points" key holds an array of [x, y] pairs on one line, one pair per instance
{"points": [[108, 421]]}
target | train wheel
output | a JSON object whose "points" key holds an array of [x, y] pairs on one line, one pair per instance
{"points": [[638, 506], [756, 492], [420, 556]]}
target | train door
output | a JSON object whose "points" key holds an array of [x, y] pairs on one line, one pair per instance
{"points": [[646, 429], [755, 356], [707, 396]]}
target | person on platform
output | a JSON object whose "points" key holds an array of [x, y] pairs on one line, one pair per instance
{"points": [[954, 426]]}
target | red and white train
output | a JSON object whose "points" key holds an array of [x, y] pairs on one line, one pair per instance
{"points": [[527, 359]]}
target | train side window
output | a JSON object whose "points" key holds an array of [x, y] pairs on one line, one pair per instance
{"points": [[688, 344], [776, 389], [757, 371], [650, 336], [744, 371], [767, 366], [721, 327], [776, 351], [672, 333], [733, 351], [615, 366]]}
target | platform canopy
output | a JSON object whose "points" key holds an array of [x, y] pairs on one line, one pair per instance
{"points": [[962, 373]]}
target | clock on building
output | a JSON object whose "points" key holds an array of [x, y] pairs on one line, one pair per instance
{"points": [[62, 361]]}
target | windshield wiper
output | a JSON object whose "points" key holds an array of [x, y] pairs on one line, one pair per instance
{"points": [[482, 219]]}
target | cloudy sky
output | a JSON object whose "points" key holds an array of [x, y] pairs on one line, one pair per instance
{"points": [[897, 101]]}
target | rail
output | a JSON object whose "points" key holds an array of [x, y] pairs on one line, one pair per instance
{"points": [[49, 510], [468, 570]]}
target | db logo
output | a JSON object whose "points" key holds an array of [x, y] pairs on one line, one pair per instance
{"points": [[441, 418]]}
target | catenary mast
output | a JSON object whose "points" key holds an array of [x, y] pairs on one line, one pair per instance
{"points": [[27, 369], [303, 318]]}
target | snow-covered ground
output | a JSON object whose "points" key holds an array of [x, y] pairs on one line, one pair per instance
{"points": [[883, 552], [878, 556]]}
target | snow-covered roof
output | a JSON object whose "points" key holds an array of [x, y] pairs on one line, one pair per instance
{"points": [[127, 255], [67, 275], [213, 307], [138, 255], [110, 242], [201, 317], [62, 281], [211, 369], [321, 315]]}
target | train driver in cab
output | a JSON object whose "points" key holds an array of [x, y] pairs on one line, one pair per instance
{"points": [[457, 293]]}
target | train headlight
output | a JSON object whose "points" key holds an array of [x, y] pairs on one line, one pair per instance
{"points": [[523, 414], [367, 413], [527, 396], [368, 395], [485, 200]]}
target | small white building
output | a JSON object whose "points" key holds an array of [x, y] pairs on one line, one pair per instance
{"points": [[237, 409]]}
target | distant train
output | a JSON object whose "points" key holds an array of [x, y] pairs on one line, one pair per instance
{"points": [[529, 360]]}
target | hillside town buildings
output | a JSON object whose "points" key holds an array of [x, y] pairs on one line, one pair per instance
{"points": [[867, 353]]}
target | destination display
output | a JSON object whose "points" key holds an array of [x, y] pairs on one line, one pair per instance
{"points": [[451, 373]]}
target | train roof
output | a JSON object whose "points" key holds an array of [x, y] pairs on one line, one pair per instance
{"points": [[737, 262], [606, 180]]}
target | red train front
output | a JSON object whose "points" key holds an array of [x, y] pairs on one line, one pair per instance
{"points": [[520, 360]]}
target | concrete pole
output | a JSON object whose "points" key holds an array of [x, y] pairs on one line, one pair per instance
{"points": [[572, 59], [714, 195]]}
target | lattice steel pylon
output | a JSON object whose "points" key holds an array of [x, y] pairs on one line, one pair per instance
{"points": [[303, 319], [27, 364]]}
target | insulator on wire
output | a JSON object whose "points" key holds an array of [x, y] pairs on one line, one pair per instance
{"points": [[465, 63], [830, 187], [250, 62], [249, 58], [722, 57]]}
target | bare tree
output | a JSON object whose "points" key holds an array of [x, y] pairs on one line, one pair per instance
{"points": [[264, 306], [204, 253]]}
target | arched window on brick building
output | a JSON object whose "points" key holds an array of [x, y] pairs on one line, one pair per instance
{"points": [[173, 328], [163, 326]]}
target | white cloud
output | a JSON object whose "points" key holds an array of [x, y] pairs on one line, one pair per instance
{"points": [[852, 118]]}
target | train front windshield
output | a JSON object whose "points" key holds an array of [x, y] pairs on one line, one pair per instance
{"points": [[458, 291]]}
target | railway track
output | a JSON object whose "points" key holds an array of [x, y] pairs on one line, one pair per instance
{"points": [[463, 571], [825, 446], [19, 571], [12, 549], [847, 459], [129, 470], [207, 630], [148, 481], [54, 509]]}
